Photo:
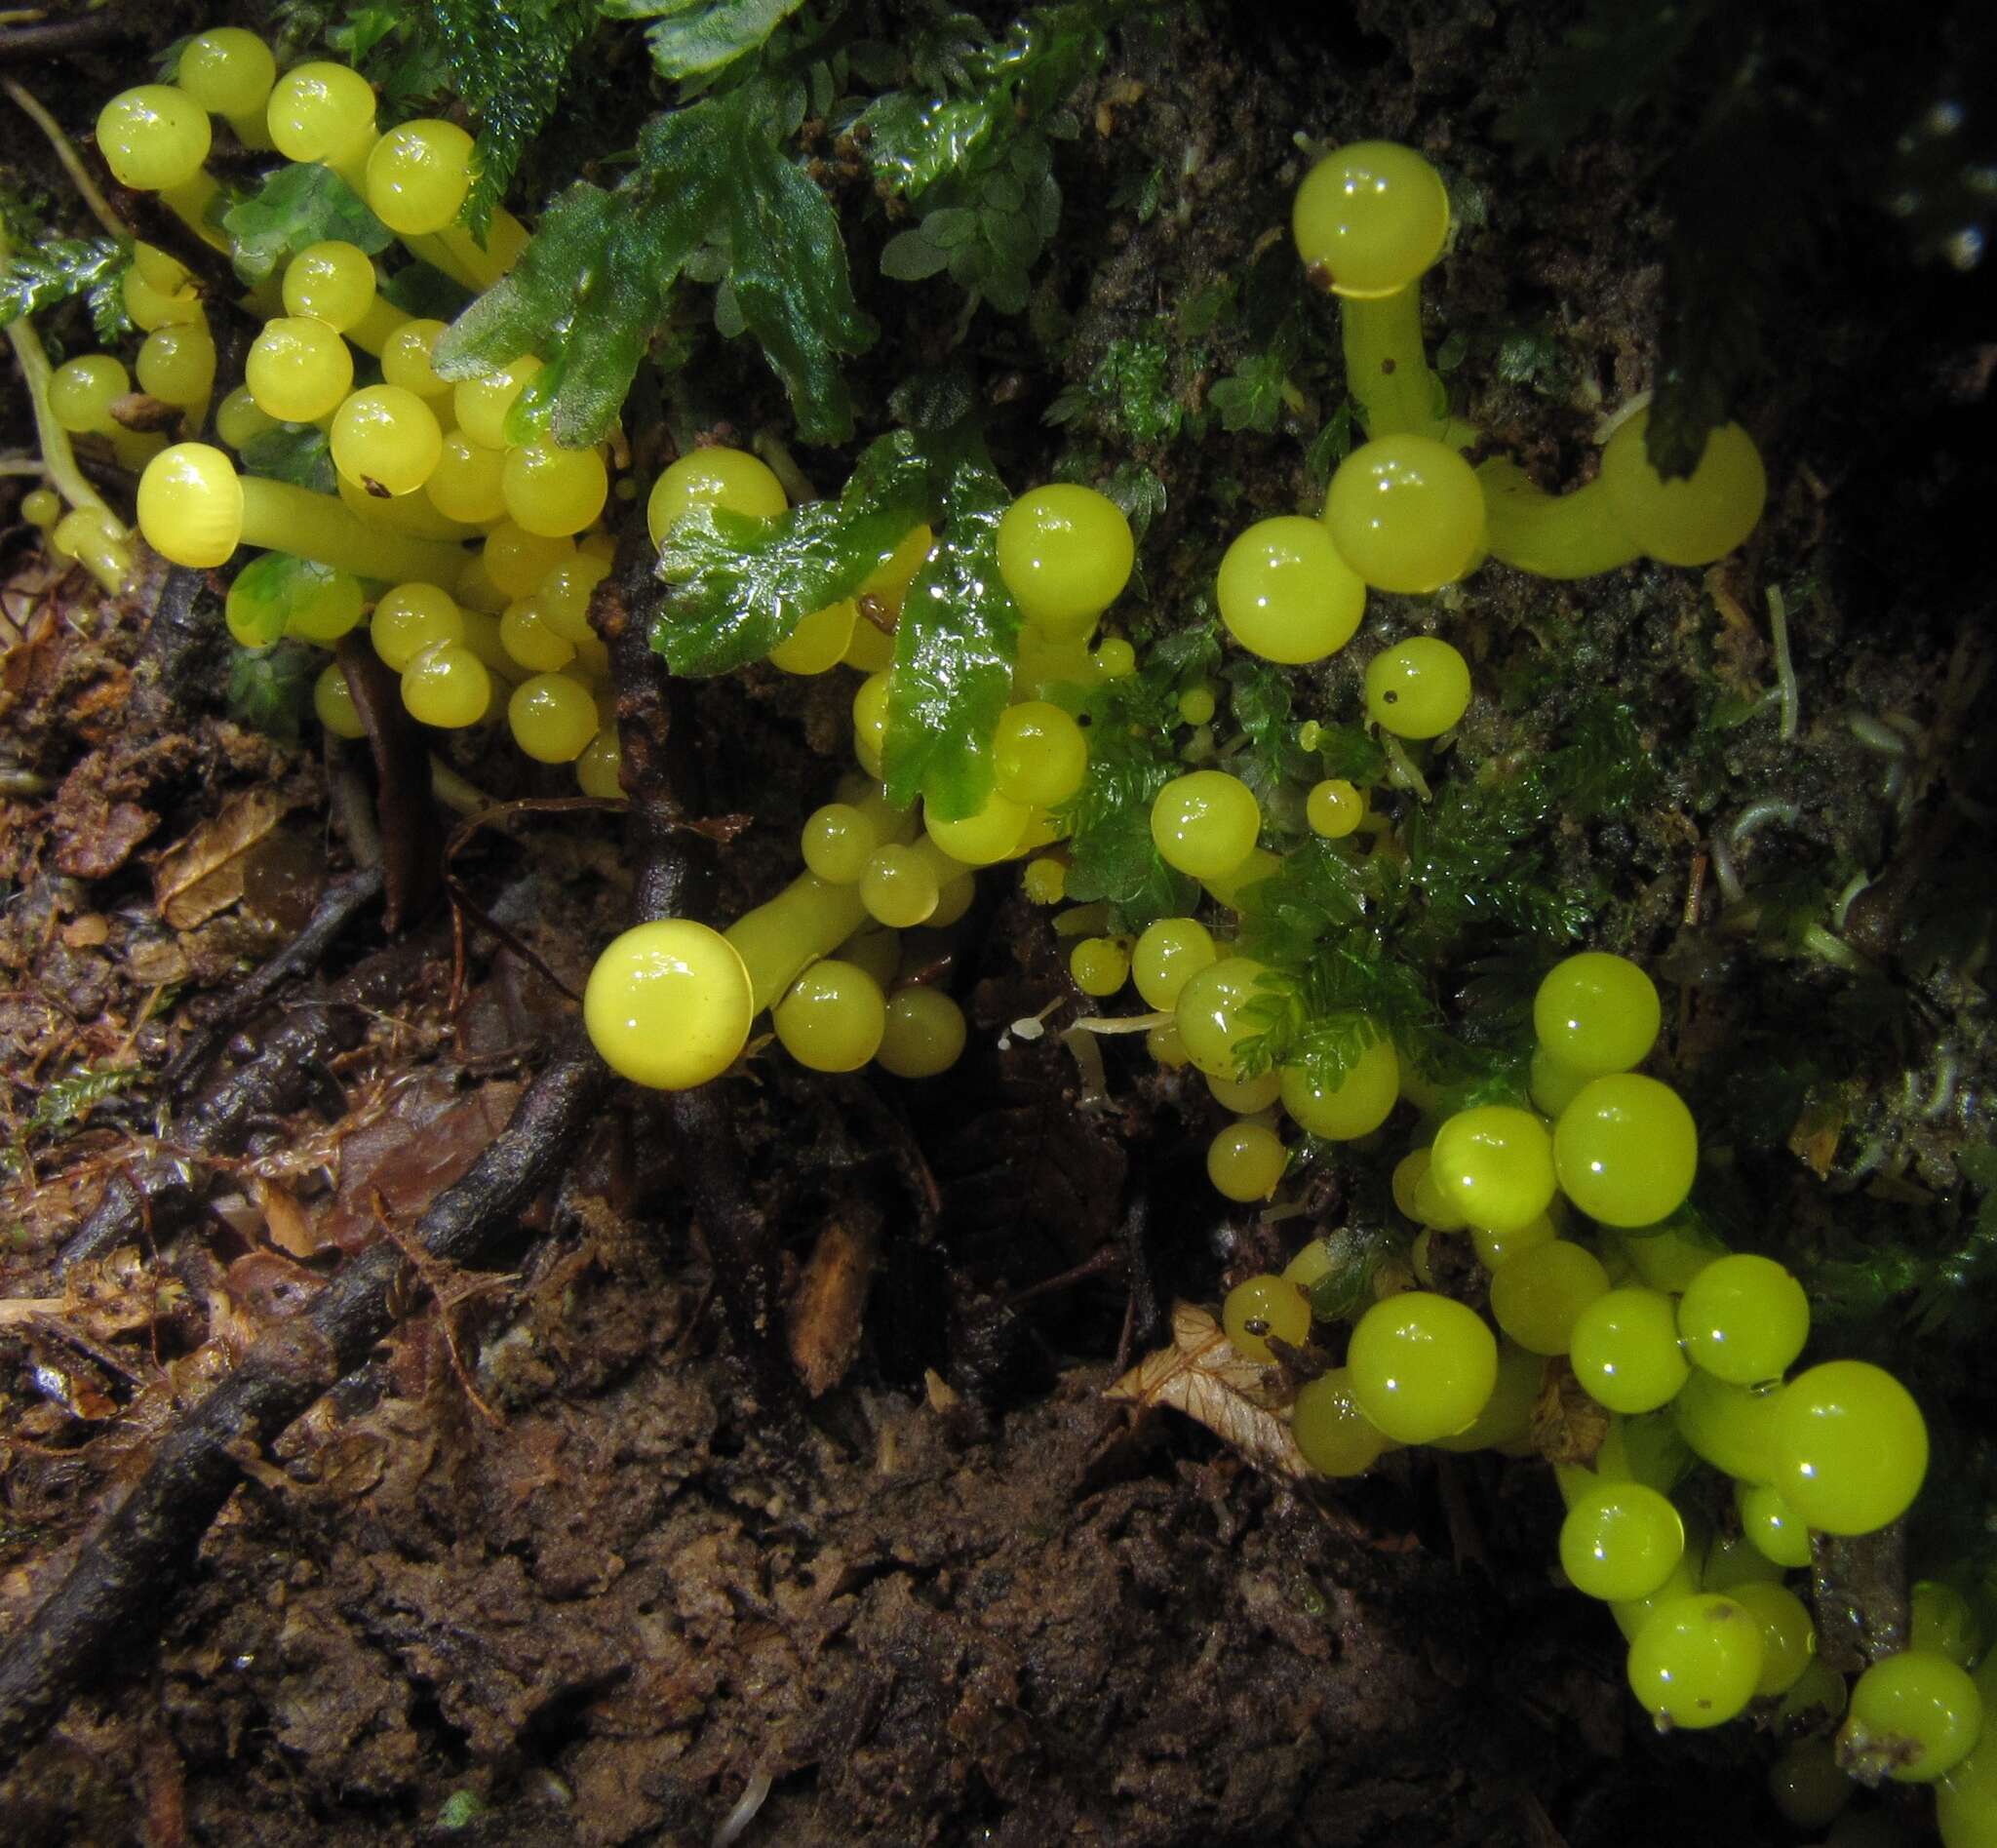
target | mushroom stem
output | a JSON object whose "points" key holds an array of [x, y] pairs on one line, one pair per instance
{"points": [[250, 128], [57, 457], [80, 176], [1386, 369], [190, 202], [1227, 888], [377, 328], [283, 518], [777, 942], [411, 515], [482, 264], [1574, 534]]}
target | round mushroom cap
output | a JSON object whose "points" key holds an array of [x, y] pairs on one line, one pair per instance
{"points": [[153, 137], [190, 506], [1694, 519]]}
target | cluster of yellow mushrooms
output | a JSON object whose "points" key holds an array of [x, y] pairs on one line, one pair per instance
{"points": [[1404, 513]]}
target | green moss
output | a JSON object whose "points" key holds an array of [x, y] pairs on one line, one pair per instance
{"points": [[1129, 395]]}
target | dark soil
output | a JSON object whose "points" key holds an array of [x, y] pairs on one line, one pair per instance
{"points": [[573, 1555]]}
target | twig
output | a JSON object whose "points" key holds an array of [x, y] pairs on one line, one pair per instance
{"points": [[53, 38], [339, 905], [218, 1119], [183, 664], [80, 174], [113, 1595], [412, 840], [463, 904], [658, 768]]}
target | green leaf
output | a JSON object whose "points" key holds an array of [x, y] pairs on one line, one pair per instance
{"points": [[1533, 357], [301, 204], [954, 652], [1141, 494], [105, 299], [1252, 397], [1259, 706], [1321, 886], [980, 160], [1112, 855], [425, 294], [1350, 752], [951, 227], [1979, 1170], [1468, 861], [909, 256], [1329, 447], [1116, 859], [913, 141], [741, 586], [58, 269], [592, 287], [296, 452], [520, 313], [269, 591], [270, 690], [71, 1095], [1604, 768], [696, 36], [1131, 386], [507, 59], [789, 273], [368, 24]]}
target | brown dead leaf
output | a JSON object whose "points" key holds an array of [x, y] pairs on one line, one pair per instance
{"points": [[270, 1285], [88, 932], [289, 1225], [1814, 1136], [944, 1398], [1203, 1376], [103, 841], [830, 1298], [1738, 649], [118, 1294], [403, 1158], [204, 874], [74, 1388], [137, 410], [1568, 1427]]}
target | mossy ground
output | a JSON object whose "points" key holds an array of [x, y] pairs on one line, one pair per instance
{"points": [[546, 1551]]}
